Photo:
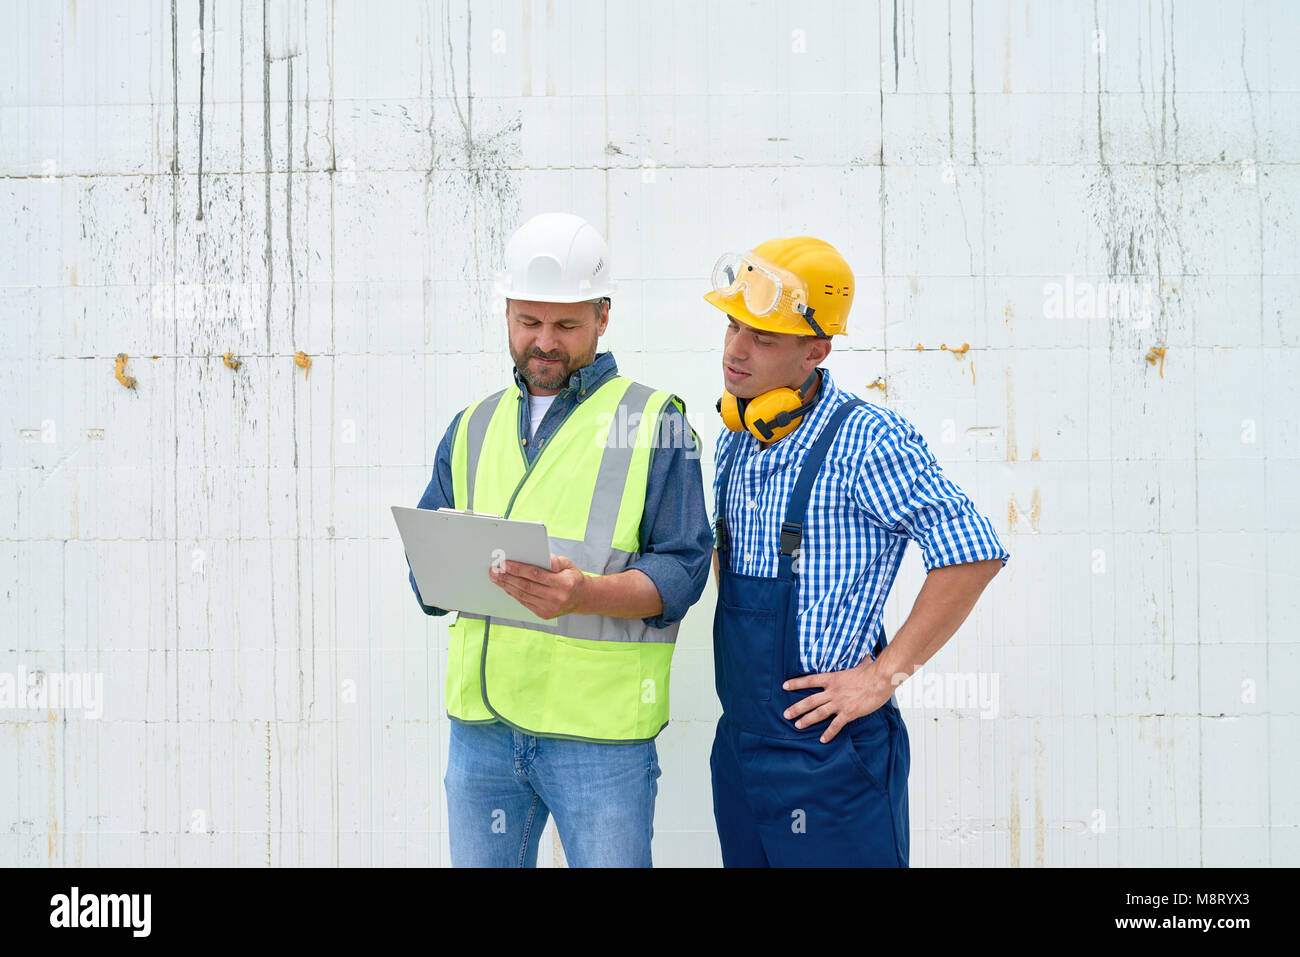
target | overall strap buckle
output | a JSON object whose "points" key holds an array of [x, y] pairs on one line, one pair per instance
{"points": [[791, 536]]}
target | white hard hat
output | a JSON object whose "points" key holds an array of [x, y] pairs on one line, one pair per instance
{"points": [[556, 257]]}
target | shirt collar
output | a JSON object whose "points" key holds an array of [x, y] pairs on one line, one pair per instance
{"points": [[829, 397], [585, 379]]}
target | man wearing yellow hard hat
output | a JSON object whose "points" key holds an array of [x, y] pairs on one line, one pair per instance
{"points": [[817, 493]]}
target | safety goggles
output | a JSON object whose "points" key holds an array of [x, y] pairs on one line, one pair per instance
{"points": [[766, 288]]}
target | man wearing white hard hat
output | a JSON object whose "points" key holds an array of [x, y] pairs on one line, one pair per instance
{"points": [[560, 718]]}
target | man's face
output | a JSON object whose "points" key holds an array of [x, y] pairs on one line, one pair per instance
{"points": [[754, 361], [549, 341]]}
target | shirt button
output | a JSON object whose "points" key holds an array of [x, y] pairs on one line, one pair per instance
{"points": [[753, 504], [746, 558]]}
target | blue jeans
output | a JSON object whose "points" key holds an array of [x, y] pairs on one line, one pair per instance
{"points": [[501, 785]]}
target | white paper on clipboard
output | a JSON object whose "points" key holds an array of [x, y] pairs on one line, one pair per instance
{"points": [[451, 551]]}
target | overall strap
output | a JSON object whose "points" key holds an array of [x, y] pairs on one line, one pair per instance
{"points": [[797, 509], [720, 537]]}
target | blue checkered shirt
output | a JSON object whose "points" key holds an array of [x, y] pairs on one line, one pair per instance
{"points": [[879, 488]]}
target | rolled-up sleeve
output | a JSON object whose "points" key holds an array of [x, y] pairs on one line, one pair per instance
{"points": [[676, 540], [902, 488], [438, 494]]}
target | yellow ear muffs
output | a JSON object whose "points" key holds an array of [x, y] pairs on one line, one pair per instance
{"points": [[770, 416], [732, 411], [773, 415]]}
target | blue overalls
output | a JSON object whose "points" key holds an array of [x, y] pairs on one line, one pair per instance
{"points": [[780, 797]]}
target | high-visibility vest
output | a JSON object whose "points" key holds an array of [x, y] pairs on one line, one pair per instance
{"points": [[586, 677]]}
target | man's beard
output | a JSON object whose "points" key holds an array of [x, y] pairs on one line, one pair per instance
{"points": [[553, 377]]}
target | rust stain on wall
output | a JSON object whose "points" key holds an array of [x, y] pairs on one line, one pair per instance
{"points": [[230, 361], [303, 361], [1157, 352], [120, 371], [1035, 511]]}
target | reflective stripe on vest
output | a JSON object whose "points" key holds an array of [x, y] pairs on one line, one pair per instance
{"points": [[591, 677]]}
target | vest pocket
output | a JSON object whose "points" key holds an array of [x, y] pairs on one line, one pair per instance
{"points": [[464, 696], [595, 690]]}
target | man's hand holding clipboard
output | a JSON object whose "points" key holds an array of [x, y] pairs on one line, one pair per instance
{"points": [[547, 594]]}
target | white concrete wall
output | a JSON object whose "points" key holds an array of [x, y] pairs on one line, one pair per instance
{"points": [[338, 178]]}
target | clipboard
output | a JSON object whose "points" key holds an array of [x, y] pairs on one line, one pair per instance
{"points": [[451, 551]]}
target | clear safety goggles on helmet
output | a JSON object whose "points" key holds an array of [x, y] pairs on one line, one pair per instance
{"points": [[770, 291]]}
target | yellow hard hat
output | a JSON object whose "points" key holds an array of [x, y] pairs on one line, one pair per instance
{"points": [[797, 284]]}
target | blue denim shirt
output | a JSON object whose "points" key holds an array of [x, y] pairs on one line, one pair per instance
{"points": [[676, 537]]}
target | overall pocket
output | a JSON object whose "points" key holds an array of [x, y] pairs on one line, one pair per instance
{"points": [[745, 656], [881, 752], [870, 747]]}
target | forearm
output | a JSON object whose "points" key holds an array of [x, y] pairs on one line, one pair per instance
{"points": [[944, 602], [627, 594], [675, 537]]}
